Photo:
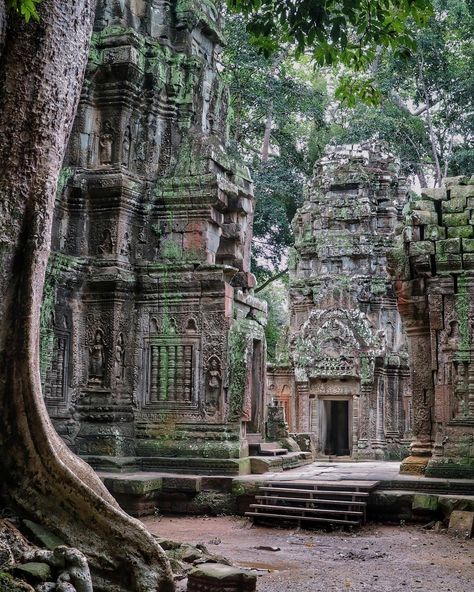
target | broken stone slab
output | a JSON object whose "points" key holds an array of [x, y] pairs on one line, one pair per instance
{"points": [[461, 524], [33, 572], [42, 536], [214, 577], [133, 485]]}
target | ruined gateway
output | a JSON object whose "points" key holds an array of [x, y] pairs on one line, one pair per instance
{"points": [[346, 376], [148, 320]]}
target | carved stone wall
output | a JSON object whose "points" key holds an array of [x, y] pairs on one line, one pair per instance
{"points": [[434, 262], [149, 276], [347, 348]]}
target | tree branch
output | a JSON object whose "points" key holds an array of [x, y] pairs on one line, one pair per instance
{"points": [[271, 279], [399, 102]]}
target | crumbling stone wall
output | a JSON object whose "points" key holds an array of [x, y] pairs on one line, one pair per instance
{"points": [[149, 277], [346, 339], [434, 262]]}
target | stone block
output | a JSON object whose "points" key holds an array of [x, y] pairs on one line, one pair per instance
{"points": [[182, 484], [448, 262], [436, 193], [423, 217], [421, 248], [468, 261], [459, 219], [423, 204], [424, 503], [133, 485], [215, 577], [468, 245], [461, 524], [452, 245], [454, 205], [459, 180], [434, 232], [461, 191], [460, 231]]}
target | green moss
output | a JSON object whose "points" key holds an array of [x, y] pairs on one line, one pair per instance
{"points": [[238, 371], [7, 583]]}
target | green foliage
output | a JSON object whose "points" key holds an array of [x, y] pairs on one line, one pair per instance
{"points": [[26, 8], [290, 97], [426, 111], [238, 371], [276, 296], [334, 32]]}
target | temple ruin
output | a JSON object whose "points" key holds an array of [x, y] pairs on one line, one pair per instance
{"points": [[346, 376], [434, 262], [153, 351], [149, 322]]}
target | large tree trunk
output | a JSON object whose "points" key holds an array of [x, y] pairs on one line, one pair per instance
{"points": [[41, 71]]}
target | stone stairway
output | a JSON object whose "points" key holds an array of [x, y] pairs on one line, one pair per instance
{"points": [[340, 503]]}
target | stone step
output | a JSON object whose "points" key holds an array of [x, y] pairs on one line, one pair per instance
{"points": [[312, 500], [304, 518], [345, 501], [304, 509]]}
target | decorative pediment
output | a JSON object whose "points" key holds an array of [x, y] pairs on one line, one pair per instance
{"points": [[331, 343]]}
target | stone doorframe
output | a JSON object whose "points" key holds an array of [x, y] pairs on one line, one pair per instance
{"points": [[334, 390]]}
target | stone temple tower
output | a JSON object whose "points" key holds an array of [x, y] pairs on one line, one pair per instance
{"points": [[347, 350], [152, 343]]}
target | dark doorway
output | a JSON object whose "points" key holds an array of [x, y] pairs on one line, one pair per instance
{"points": [[337, 428]]}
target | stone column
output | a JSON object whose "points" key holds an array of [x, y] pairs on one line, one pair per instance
{"points": [[422, 398]]}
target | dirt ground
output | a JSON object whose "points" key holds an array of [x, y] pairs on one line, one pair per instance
{"points": [[376, 558]]}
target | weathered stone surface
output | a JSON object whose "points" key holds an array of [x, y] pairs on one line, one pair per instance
{"points": [[424, 503], [345, 375], [34, 571], [42, 536], [213, 577], [461, 524], [436, 304], [152, 342]]}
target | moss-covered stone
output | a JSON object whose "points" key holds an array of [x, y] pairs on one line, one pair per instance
{"points": [[460, 231]]}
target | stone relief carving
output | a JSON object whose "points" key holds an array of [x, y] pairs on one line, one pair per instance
{"points": [[106, 143], [97, 359], [213, 384]]}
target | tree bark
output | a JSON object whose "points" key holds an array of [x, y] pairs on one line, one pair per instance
{"points": [[41, 72]]}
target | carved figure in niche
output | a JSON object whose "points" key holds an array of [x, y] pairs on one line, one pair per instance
{"points": [[213, 384], [126, 142], [107, 245], [389, 335], [461, 392], [126, 245], [97, 359], [448, 346], [120, 359], [106, 143]]}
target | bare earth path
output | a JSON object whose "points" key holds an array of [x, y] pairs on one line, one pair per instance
{"points": [[374, 559]]}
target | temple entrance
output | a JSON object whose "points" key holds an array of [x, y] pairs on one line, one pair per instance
{"points": [[335, 427]]}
